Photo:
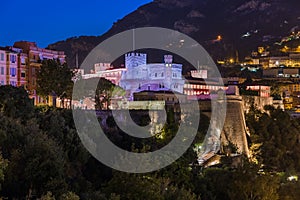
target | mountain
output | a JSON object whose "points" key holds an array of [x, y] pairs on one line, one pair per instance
{"points": [[241, 25]]}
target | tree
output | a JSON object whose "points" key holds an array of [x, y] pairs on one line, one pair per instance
{"points": [[101, 90], [146, 186], [244, 182], [48, 196], [248, 184], [15, 103], [278, 138], [289, 190], [35, 168], [69, 196], [275, 91], [55, 79], [3, 166]]}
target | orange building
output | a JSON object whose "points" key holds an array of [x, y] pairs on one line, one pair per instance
{"points": [[32, 57], [22, 70]]}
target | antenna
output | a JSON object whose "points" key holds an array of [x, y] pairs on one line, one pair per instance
{"points": [[133, 40], [76, 60]]}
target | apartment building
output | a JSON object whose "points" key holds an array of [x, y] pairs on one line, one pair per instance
{"points": [[8, 67], [30, 62]]}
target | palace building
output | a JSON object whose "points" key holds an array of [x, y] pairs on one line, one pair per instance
{"points": [[141, 76]]}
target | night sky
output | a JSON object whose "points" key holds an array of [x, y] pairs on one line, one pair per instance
{"points": [[46, 22]]}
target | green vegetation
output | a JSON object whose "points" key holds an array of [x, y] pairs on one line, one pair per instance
{"points": [[60, 85], [101, 90], [42, 158]]}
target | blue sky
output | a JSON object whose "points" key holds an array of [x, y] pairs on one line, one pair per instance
{"points": [[46, 22]]}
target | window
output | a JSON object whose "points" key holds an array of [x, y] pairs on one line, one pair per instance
{"points": [[155, 74], [2, 82], [13, 58], [162, 74], [13, 83], [2, 70], [13, 72], [2, 56], [23, 74], [23, 61]]}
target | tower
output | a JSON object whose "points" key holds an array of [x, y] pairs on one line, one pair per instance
{"points": [[135, 59], [226, 130]]}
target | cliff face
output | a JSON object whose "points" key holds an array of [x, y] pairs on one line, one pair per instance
{"points": [[243, 24]]}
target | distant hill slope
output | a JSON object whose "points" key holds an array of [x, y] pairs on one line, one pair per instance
{"points": [[242, 24]]}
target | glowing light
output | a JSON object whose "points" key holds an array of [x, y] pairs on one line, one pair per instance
{"points": [[219, 38], [292, 178]]}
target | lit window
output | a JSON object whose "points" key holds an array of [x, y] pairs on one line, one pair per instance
{"points": [[23, 61], [12, 58], [13, 83], [13, 72]]}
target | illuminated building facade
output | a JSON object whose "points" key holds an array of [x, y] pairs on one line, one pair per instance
{"points": [[34, 56], [11, 68], [3, 67], [281, 73], [290, 60], [8, 67], [263, 91], [296, 100], [140, 76], [104, 70], [22, 70], [290, 93], [197, 89]]}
